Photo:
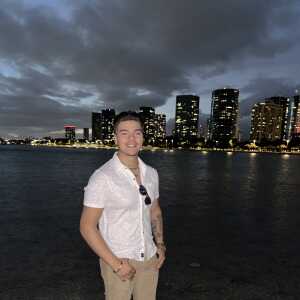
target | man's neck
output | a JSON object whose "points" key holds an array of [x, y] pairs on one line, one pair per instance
{"points": [[128, 161]]}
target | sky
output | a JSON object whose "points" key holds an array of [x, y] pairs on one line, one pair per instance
{"points": [[61, 60]]}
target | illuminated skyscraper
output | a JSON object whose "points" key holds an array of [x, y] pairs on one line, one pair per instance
{"points": [[285, 103], [103, 125], [186, 119], [70, 132], [160, 128], [295, 124], [96, 126], [148, 117], [224, 116], [160, 124], [107, 125], [266, 122]]}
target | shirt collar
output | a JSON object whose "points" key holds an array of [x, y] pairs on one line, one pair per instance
{"points": [[120, 166]]}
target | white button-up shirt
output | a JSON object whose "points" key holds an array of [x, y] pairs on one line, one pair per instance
{"points": [[125, 223]]}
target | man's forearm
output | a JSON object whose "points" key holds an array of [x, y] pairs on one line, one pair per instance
{"points": [[157, 227]]}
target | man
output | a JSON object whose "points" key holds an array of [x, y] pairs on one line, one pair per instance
{"points": [[121, 216]]}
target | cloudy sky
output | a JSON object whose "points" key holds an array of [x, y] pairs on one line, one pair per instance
{"points": [[61, 60]]}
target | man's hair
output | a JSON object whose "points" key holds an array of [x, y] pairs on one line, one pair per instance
{"points": [[127, 116]]}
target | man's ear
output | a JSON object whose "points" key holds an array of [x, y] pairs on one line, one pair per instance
{"points": [[115, 139]]}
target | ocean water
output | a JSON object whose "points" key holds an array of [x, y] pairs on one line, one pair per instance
{"points": [[231, 223]]}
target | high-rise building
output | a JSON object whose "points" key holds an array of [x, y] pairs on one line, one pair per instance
{"points": [[295, 123], [147, 115], [96, 126], [224, 116], [186, 119], [285, 103], [208, 130], [160, 128], [70, 132], [86, 133], [266, 122], [107, 125]]}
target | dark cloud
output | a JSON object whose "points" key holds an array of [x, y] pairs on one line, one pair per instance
{"points": [[31, 110], [125, 54]]}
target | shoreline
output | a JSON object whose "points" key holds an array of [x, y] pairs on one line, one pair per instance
{"points": [[153, 149]]}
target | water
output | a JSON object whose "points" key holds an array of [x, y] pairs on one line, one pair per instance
{"points": [[232, 224]]}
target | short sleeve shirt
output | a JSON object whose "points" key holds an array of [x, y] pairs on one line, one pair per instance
{"points": [[125, 223]]}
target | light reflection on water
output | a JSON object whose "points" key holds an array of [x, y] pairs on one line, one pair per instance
{"points": [[242, 183]]}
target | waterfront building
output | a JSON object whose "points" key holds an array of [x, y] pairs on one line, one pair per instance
{"points": [[147, 115], [285, 103], [208, 129], [96, 126], [266, 122], [160, 129], [70, 132], [86, 134], [186, 119], [107, 125], [295, 123], [224, 116]]}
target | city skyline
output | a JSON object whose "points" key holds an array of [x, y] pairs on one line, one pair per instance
{"points": [[224, 108], [276, 120], [60, 60]]}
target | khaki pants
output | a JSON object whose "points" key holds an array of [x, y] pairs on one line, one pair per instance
{"points": [[141, 287]]}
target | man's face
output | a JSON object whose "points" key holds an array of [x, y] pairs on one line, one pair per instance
{"points": [[129, 137]]}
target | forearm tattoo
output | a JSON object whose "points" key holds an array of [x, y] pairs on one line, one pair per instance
{"points": [[157, 228]]}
